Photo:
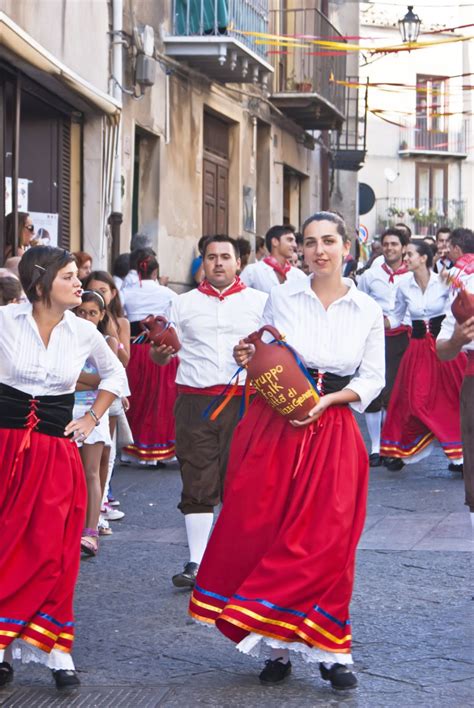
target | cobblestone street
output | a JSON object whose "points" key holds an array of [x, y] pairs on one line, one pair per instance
{"points": [[411, 611]]}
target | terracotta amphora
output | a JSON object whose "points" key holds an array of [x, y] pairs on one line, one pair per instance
{"points": [[278, 378], [159, 331]]}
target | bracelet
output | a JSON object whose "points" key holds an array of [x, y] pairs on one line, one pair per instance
{"points": [[94, 415], [121, 345]]}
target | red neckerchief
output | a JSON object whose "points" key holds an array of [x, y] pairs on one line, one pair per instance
{"points": [[466, 263], [208, 289], [277, 267], [392, 273]]}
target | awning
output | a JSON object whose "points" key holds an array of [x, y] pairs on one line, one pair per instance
{"points": [[29, 56]]}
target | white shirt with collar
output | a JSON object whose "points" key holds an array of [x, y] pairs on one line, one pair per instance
{"points": [[27, 365], [376, 283], [147, 298], [347, 339], [262, 277], [208, 329], [449, 322], [419, 305]]}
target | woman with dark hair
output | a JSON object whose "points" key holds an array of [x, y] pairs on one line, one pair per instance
{"points": [[26, 233], [425, 401], [153, 388], [279, 566], [43, 349]]}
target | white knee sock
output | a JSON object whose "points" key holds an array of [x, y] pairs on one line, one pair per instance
{"points": [[471, 514], [282, 654], [374, 426], [198, 528]]}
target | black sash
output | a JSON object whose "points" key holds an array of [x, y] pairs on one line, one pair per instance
{"points": [[420, 330], [44, 414], [330, 383]]}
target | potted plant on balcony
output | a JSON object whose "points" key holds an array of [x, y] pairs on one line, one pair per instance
{"points": [[290, 82], [424, 219], [394, 211]]}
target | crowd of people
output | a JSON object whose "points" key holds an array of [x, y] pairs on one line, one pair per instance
{"points": [[83, 386]]}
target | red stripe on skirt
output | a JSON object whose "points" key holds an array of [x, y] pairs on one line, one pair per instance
{"points": [[153, 395], [285, 541], [42, 519]]}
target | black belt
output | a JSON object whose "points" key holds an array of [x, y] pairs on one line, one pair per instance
{"points": [[44, 414], [421, 328], [329, 383]]}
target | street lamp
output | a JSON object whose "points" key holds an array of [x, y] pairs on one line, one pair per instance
{"points": [[409, 26]]}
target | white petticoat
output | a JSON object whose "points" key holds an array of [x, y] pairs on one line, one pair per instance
{"points": [[25, 652], [253, 646]]}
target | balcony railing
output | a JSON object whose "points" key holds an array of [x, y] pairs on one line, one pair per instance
{"points": [[211, 36], [304, 82], [349, 145], [419, 139], [423, 216]]}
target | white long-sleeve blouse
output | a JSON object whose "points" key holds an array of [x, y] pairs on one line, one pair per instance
{"points": [[27, 365], [410, 299], [347, 339]]}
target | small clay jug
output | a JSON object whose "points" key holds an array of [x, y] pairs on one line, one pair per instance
{"points": [[159, 331], [277, 377], [463, 306]]}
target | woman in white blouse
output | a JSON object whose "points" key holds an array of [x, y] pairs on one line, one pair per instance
{"points": [[279, 566], [153, 388], [43, 349], [425, 403]]}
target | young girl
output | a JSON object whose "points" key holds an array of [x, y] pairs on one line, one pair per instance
{"points": [[94, 310], [425, 402], [43, 349], [279, 566], [118, 327]]}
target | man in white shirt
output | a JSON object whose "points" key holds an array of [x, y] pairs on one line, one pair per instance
{"points": [[452, 339], [274, 269], [381, 284], [442, 259], [209, 321]]}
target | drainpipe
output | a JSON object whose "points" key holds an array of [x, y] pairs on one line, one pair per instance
{"points": [[116, 217]]}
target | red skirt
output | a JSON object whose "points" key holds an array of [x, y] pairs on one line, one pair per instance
{"points": [[153, 395], [425, 403], [280, 561], [42, 511]]}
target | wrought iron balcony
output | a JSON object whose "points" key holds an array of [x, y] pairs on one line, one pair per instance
{"points": [[304, 82], [349, 144], [423, 216], [209, 35], [438, 140]]}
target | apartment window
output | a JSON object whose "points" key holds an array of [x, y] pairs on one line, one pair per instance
{"points": [[432, 187], [431, 110]]}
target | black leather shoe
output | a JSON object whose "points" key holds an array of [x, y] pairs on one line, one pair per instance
{"points": [[455, 467], [187, 578], [64, 678], [340, 677], [394, 464], [6, 673], [375, 460], [275, 671]]}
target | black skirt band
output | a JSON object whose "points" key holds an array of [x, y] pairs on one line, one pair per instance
{"points": [[327, 382], [44, 414]]}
